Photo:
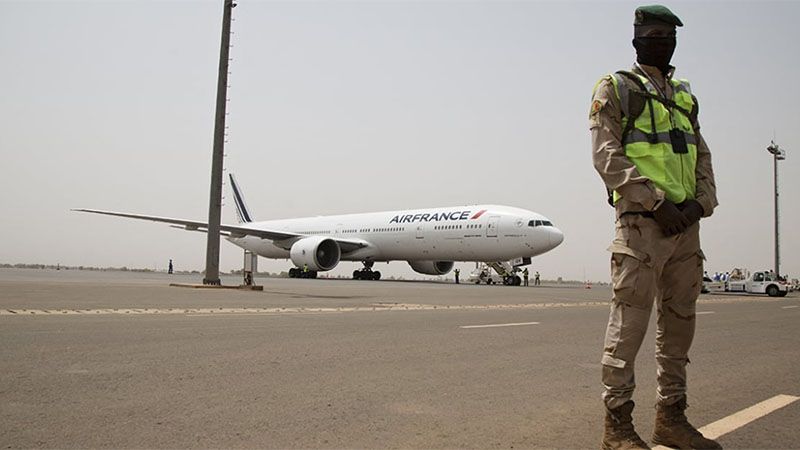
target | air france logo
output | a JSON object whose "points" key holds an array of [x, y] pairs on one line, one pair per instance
{"points": [[436, 217]]}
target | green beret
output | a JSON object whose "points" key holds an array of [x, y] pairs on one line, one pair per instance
{"points": [[655, 14]]}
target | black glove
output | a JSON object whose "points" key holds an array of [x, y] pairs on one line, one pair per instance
{"points": [[671, 219], [692, 210]]}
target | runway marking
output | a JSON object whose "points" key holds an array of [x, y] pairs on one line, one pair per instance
{"points": [[743, 417], [375, 307], [699, 313], [790, 307], [500, 325], [233, 314], [264, 314]]}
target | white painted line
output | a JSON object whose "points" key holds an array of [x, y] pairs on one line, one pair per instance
{"points": [[790, 307], [699, 313], [210, 314], [263, 314], [743, 417], [500, 325]]}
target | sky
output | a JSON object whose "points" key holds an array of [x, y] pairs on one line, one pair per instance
{"points": [[344, 107]]}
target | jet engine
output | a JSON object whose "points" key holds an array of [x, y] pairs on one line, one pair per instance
{"points": [[432, 267], [319, 253]]}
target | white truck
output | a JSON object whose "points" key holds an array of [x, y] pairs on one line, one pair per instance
{"points": [[758, 283]]}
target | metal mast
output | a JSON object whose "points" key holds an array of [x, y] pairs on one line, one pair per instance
{"points": [[215, 197], [778, 154]]}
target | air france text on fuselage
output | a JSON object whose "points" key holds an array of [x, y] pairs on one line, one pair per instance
{"points": [[436, 217]]}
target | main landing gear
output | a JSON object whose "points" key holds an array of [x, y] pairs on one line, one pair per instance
{"points": [[512, 280], [296, 272], [366, 273]]}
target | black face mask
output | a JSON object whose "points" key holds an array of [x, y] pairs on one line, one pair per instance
{"points": [[655, 51]]}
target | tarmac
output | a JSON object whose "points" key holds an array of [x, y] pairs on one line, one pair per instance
{"points": [[122, 360]]}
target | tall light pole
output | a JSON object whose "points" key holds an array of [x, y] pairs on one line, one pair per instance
{"points": [[778, 154], [215, 197]]}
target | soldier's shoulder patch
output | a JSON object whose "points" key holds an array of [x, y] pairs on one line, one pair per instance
{"points": [[594, 111], [597, 106]]}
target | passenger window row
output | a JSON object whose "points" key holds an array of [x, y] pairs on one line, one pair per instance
{"points": [[363, 230], [448, 227]]}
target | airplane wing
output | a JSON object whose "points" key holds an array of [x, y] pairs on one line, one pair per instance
{"points": [[283, 239]]}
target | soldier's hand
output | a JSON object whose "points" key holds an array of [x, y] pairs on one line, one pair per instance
{"points": [[692, 210], [671, 220]]}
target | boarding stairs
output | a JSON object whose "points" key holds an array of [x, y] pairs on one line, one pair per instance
{"points": [[507, 271]]}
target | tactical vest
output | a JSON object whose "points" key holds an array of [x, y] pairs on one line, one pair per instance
{"points": [[660, 141]]}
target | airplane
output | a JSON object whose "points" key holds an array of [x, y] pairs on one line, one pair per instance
{"points": [[431, 240]]}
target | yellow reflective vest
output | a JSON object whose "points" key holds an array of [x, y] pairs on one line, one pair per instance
{"points": [[649, 144]]}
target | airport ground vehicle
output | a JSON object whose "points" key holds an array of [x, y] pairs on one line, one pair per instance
{"points": [[763, 282], [498, 272], [296, 272], [483, 275], [707, 282]]}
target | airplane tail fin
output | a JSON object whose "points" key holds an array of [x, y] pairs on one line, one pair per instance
{"points": [[241, 209]]}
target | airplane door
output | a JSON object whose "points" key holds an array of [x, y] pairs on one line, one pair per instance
{"points": [[420, 232], [491, 226]]}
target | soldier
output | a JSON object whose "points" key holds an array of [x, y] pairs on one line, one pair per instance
{"points": [[648, 150], [457, 273], [525, 277]]}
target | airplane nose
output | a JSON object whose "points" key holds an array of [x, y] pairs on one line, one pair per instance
{"points": [[556, 237]]}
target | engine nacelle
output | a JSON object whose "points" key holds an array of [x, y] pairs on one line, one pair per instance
{"points": [[319, 253], [432, 267]]}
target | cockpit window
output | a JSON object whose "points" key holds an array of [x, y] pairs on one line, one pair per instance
{"points": [[540, 223]]}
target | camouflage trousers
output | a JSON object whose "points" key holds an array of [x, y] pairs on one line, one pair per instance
{"points": [[648, 267]]}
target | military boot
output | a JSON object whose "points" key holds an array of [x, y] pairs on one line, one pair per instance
{"points": [[619, 433], [674, 430]]}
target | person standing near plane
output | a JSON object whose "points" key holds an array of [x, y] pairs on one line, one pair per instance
{"points": [[536, 281], [656, 166], [456, 272], [525, 277]]}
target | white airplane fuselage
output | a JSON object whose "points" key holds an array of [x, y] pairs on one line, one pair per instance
{"points": [[460, 233]]}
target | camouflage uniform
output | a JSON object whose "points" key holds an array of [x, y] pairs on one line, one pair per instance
{"points": [[646, 266]]}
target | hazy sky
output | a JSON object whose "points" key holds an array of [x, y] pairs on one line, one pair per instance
{"points": [[340, 107]]}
